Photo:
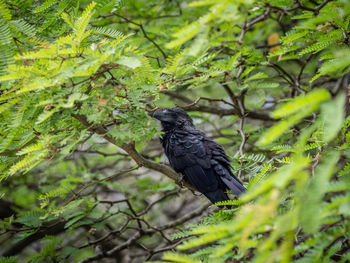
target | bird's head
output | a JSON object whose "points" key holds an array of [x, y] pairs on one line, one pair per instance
{"points": [[171, 118]]}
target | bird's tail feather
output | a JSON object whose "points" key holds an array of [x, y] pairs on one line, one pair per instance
{"points": [[233, 184], [216, 196]]}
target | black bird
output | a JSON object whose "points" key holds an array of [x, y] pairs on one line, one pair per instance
{"points": [[203, 163]]}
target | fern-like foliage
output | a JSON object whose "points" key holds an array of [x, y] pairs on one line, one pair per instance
{"points": [[108, 32], [6, 49], [82, 23], [79, 81], [261, 175], [5, 11], [45, 6], [8, 259]]}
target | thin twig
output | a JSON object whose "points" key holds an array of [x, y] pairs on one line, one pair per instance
{"points": [[144, 33], [252, 22]]}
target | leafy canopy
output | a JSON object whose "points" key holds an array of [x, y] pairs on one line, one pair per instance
{"points": [[269, 80]]}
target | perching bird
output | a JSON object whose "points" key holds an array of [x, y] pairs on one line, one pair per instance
{"points": [[202, 162]]}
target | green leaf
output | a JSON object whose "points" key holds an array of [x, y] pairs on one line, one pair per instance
{"points": [[181, 258], [282, 126], [8, 260], [45, 115], [5, 11], [314, 97], [30, 219], [332, 114], [83, 21], [131, 62], [313, 192]]}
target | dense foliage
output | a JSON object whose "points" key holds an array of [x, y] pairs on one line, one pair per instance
{"points": [[82, 173]]}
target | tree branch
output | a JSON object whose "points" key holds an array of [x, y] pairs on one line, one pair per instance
{"points": [[252, 22], [138, 235], [144, 33], [191, 106], [130, 149]]}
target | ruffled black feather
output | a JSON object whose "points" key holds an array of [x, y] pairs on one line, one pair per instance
{"points": [[202, 161]]}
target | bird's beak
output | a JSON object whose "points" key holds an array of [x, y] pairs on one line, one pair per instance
{"points": [[158, 114]]}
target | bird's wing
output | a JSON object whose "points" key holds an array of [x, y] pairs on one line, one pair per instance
{"points": [[186, 148], [221, 164], [203, 162], [187, 154]]}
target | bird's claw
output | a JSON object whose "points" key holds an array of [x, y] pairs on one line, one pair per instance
{"points": [[180, 181]]}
